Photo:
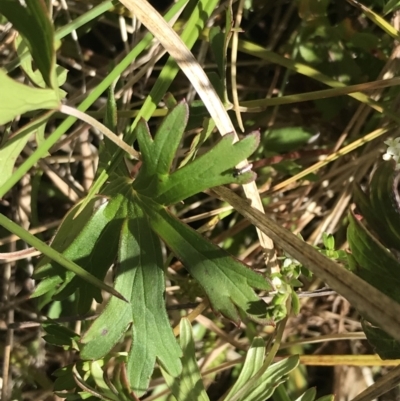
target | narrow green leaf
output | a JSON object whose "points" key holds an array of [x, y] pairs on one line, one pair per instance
{"points": [[226, 281], [378, 20], [329, 397], [253, 362], [158, 154], [384, 345], [309, 395], [189, 385], [391, 6], [49, 285], [198, 140], [217, 45], [23, 98], [107, 147], [384, 199], [33, 23], [97, 374], [275, 375], [111, 118], [377, 265]]}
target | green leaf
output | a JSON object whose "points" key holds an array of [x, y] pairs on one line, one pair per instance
{"points": [[209, 170], [384, 345], [102, 387], [252, 364], [59, 335], [11, 149], [158, 154], [35, 75], [70, 227], [64, 379], [49, 285], [140, 278], [286, 139], [329, 397], [198, 140], [107, 147], [217, 45], [54, 255], [384, 201], [153, 337], [391, 6], [227, 282], [33, 23], [89, 240], [23, 98], [309, 395], [212, 169], [275, 375], [376, 264], [110, 326], [101, 257], [189, 385]]}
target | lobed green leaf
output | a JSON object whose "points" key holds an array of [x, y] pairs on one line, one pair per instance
{"points": [[227, 282]]}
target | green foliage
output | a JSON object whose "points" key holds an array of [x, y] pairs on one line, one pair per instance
{"points": [[33, 23], [125, 228], [369, 239], [286, 139], [189, 385], [262, 388], [126, 222], [26, 98]]}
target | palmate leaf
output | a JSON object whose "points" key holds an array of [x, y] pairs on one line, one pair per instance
{"points": [[209, 170], [133, 219], [227, 282]]}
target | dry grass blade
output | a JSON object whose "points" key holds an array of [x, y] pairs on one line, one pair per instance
{"points": [[367, 299]]}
